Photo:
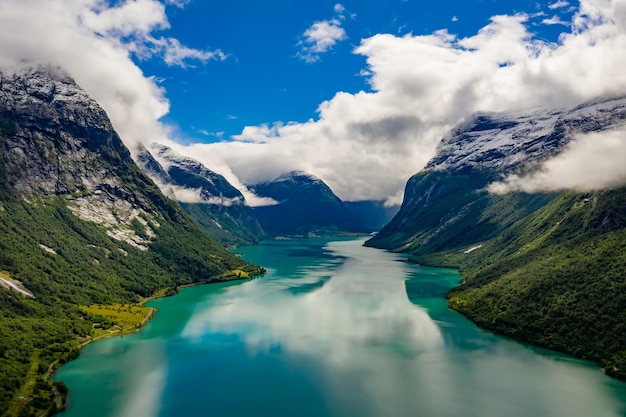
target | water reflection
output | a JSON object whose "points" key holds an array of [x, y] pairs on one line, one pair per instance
{"points": [[333, 330], [375, 353], [363, 305]]}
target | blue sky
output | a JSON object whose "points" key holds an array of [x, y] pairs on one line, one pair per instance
{"points": [[263, 79], [357, 93]]}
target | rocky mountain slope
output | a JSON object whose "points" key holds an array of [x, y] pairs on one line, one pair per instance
{"points": [[548, 269], [306, 205], [446, 205], [80, 224], [218, 207]]}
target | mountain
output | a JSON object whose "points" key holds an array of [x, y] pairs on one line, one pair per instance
{"points": [[446, 205], [306, 205], [373, 214], [218, 207], [547, 269], [80, 225]]}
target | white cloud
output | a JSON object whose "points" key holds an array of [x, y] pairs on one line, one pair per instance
{"points": [[178, 3], [554, 20], [590, 162], [364, 145], [322, 36], [94, 41], [215, 163], [558, 5], [176, 54]]}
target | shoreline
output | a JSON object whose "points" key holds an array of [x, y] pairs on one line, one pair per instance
{"points": [[61, 398]]}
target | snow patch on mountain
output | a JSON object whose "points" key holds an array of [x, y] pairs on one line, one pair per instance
{"points": [[507, 142]]}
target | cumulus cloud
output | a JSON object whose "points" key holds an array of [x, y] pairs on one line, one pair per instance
{"points": [[364, 145], [590, 162], [94, 41], [558, 5], [322, 36]]}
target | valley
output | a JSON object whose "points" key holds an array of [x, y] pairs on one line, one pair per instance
{"points": [[401, 209]]}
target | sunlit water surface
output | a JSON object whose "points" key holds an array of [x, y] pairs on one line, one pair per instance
{"points": [[333, 329]]}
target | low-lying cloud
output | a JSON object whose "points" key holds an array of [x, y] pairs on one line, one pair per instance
{"points": [[590, 162]]}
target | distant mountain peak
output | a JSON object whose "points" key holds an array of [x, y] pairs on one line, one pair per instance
{"points": [[297, 176], [307, 205], [218, 207]]}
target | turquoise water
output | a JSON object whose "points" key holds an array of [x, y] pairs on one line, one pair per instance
{"points": [[333, 329]]}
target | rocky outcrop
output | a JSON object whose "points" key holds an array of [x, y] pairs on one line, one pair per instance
{"points": [[57, 141]]}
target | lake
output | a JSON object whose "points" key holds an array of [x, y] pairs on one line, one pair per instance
{"points": [[333, 329]]}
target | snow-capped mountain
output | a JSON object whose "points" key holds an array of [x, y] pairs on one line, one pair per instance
{"points": [[206, 196], [447, 203], [506, 141]]}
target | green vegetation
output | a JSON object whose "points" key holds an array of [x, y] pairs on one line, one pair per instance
{"points": [[447, 210], [556, 278], [49, 151], [231, 226], [116, 319], [37, 335], [237, 273], [545, 269]]}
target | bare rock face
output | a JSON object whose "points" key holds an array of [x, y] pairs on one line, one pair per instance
{"points": [[446, 205], [504, 142], [57, 141]]}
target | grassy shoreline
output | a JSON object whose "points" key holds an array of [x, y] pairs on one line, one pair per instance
{"points": [[108, 320]]}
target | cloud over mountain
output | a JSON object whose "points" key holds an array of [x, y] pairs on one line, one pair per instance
{"points": [[591, 162], [364, 145]]}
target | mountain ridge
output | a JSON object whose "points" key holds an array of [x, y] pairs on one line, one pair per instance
{"points": [[545, 268], [218, 208], [306, 205]]}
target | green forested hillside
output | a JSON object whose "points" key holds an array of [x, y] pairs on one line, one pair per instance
{"points": [[555, 279], [443, 210], [88, 267], [230, 226], [80, 224]]}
